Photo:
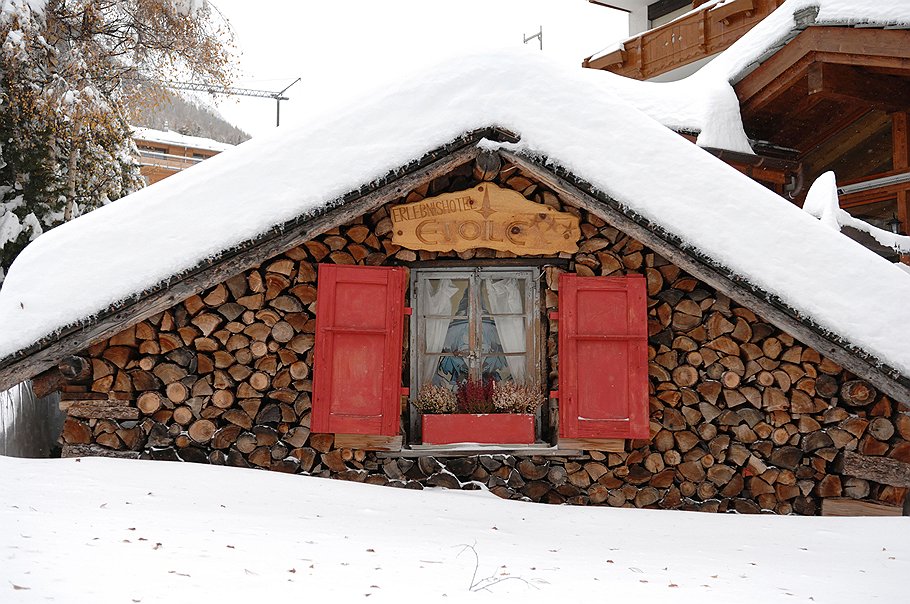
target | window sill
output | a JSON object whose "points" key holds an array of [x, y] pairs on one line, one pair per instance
{"points": [[470, 449]]}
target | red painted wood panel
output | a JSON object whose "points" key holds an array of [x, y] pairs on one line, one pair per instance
{"points": [[491, 428], [357, 369], [603, 357]]}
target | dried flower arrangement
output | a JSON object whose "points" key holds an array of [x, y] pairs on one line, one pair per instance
{"points": [[476, 396], [435, 399], [513, 397]]}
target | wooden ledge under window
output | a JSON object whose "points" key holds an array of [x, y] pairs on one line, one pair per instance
{"points": [[393, 446], [472, 449], [566, 448]]}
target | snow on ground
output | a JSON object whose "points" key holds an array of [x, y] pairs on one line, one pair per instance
{"points": [[102, 530]]}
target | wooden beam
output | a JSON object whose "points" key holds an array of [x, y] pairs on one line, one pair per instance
{"points": [[368, 442], [166, 295], [461, 450], [854, 85], [882, 470], [869, 369], [900, 132], [900, 135], [825, 132], [610, 445], [871, 47], [844, 506], [854, 136], [658, 9]]}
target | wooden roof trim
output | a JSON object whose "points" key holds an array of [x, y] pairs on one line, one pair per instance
{"points": [[887, 379], [784, 64], [46, 352]]}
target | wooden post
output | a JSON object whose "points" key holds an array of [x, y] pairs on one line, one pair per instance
{"points": [[901, 145]]}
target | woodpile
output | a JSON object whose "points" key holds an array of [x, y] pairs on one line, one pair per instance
{"points": [[743, 417]]}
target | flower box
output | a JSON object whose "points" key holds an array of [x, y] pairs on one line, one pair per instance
{"points": [[486, 428]]}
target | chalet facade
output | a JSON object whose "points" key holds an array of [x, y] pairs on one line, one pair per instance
{"points": [[678, 366], [821, 87], [163, 153]]}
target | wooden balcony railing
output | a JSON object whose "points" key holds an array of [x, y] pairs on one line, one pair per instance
{"points": [[694, 36], [166, 161]]}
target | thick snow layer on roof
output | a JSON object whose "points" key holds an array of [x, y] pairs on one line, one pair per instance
{"points": [[170, 137], [775, 29], [823, 203], [182, 532], [570, 116], [704, 105]]}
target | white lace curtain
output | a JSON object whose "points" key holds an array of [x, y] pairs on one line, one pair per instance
{"points": [[438, 302], [504, 296]]}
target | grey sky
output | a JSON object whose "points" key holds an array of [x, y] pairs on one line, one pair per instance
{"points": [[342, 47]]}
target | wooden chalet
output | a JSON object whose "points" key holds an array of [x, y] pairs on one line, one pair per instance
{"points": [[830, 91], [681, 373], [163, 153]]}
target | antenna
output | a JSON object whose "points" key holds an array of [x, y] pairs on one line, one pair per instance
{"points": [[229, 91], [538, 35]]}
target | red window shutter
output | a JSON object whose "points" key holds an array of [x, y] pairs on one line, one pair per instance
{"points": [[358, 349], [603, 357]]}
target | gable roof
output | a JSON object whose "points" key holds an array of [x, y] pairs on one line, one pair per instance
{"points": [[88, 277]]}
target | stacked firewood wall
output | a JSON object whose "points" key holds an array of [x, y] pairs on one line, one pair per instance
{"points": [[742, 416]]}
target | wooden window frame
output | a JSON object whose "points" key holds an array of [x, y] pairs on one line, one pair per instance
{"points": [[534, 327]]}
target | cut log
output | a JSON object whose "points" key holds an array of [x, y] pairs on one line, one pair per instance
{"points": [[857, 393], [149, 402], [177, 392], [877, 469], [881, 428], [202, 431], [48, 382]]}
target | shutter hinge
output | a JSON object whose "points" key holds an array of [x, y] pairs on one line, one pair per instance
{"points": [[554, 394], [408, 310], [554, 315]]}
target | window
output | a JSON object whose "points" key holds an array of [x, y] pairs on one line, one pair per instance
{"points": [[475, 324], [480, 323]]}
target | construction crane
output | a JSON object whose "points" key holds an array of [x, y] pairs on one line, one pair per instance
{"points": [[229, 91]]}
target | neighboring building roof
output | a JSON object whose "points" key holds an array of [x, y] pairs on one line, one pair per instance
{"points": [[569, 122], [784, 24], [169, 137], [704, 102]]}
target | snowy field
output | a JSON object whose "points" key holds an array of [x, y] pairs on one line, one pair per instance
{"points": [[99, 530]]}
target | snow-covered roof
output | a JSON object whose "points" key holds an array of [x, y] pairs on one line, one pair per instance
{"points": [[169, 137], [568, 117], [705, 103], [790, 18]]}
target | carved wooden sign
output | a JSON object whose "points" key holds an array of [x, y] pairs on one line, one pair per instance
{"points": [[485, 216]]}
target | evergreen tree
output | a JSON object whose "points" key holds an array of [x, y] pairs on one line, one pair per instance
{"points": [[65, 68]]}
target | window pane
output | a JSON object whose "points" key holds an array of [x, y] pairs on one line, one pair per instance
{"points": [[444, 305], [505, 369], [457, 336], [448, 297], [449, 371], [502, 296], [502, 334]]}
